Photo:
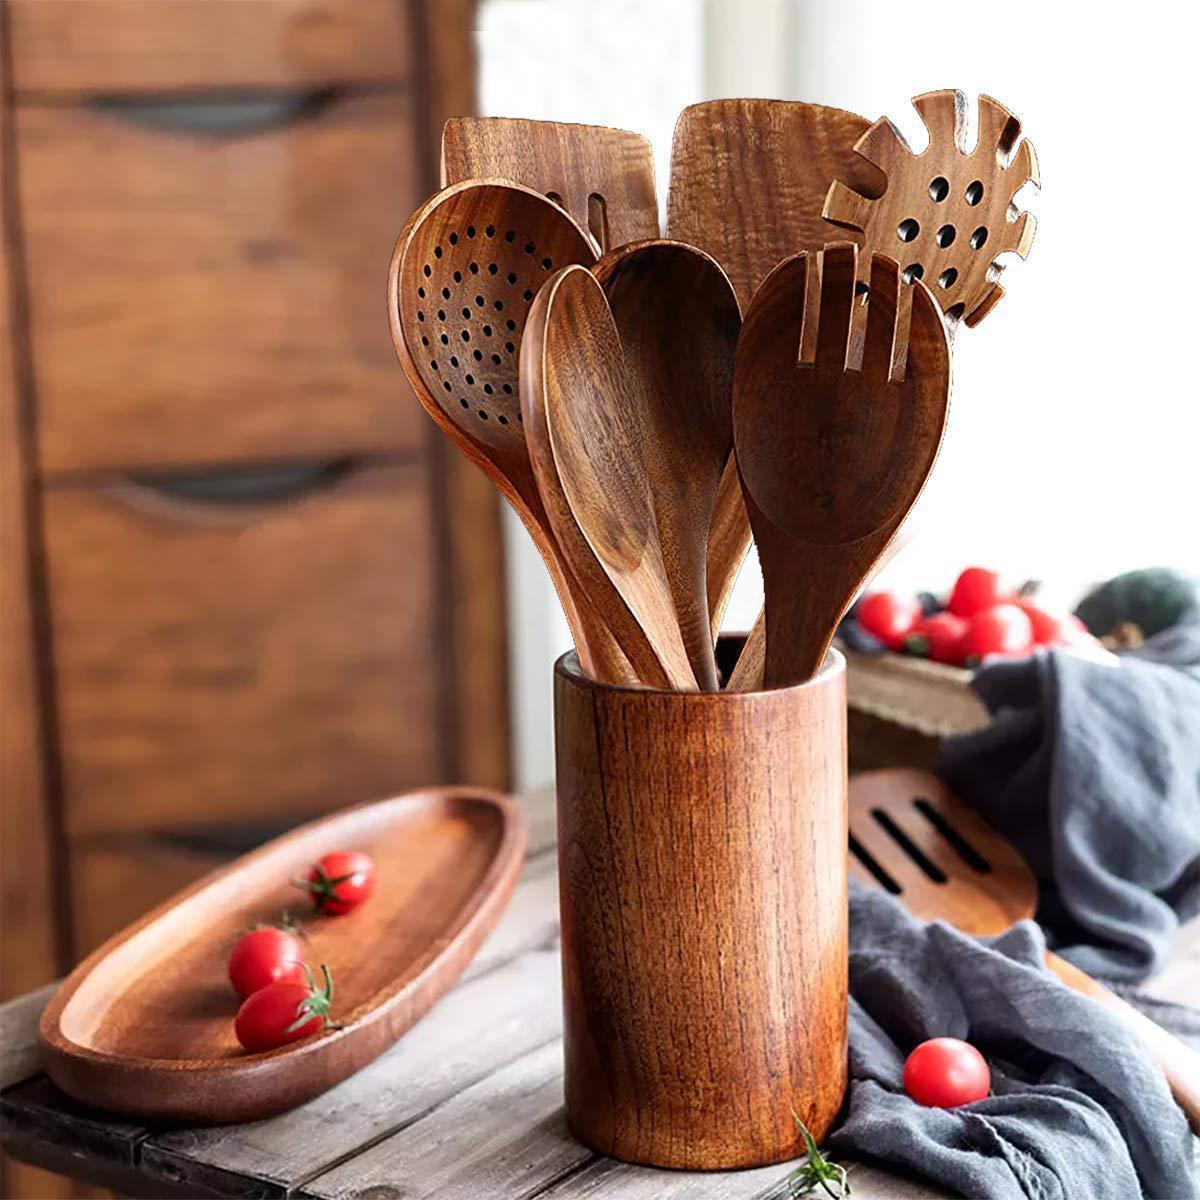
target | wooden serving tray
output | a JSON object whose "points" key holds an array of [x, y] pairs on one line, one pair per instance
{"points": [[144, 1026]]}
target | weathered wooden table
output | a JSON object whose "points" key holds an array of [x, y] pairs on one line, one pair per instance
{"points": [[468, 1106]]}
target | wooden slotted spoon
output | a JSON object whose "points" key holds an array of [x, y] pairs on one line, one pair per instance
{"points": [[464, 273], [837, 419], [748, 180], [912, 838], [587, 444], [603, 177], [678, 322]]}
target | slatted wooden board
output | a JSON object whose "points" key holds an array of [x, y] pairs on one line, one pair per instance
{"points": [[467, 1106]]}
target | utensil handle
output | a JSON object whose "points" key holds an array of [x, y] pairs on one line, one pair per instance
{"points": [[1178, 1062]]}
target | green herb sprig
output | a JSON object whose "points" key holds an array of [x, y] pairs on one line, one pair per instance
{"points": [[816, 1171]]}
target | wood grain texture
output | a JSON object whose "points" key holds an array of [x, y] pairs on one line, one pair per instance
{"points": [[292, 640], [587, 442], [947, 213], [748, 179], [198, 299], [911, 836], [703, 900], [73, 46], [678, 321], [123, 1034], [603, 177], [840, 402], [466, 266]]}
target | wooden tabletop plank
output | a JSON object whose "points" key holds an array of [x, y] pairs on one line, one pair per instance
{"points": [[472, 1032], [19, 1056], [504, 1136]]}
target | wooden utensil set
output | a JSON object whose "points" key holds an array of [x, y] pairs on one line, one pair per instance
{"points": [[777, 367]]}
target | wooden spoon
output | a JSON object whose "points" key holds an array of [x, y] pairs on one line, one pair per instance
{"points": [[603, 177], [835, 436], [911, 837], [584, 422], [678, 322], [463, 275], [946, 213], [748, 180]]}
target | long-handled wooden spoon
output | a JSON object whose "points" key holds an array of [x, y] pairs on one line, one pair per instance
{"points": [[464, 273], [678, 322], [837, 418], [748, 179], [911, 837], [587, 444], [603, 177]]}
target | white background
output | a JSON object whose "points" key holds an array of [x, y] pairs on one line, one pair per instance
{"points": [[1072, 450]]}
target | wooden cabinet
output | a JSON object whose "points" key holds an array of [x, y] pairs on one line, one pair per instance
{"points": [[243, 580]]}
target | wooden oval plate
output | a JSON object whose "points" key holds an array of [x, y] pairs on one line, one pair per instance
{"points": [[144, 1025]]}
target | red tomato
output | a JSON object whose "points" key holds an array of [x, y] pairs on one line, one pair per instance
{"points": [[1004, 629], [938, 637], [945, 1072], [284, 1012], [889, 616], [339, 882], [975, 590], [265, 955], [1049, 628]]}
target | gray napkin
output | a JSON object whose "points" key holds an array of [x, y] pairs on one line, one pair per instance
{"points": [[1093, 771], [1078, 1111]]}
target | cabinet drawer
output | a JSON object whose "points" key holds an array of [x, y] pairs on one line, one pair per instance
{"points": [[242, 653], [102, 45], [200, 297]]}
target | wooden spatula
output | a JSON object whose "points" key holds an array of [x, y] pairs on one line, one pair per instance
{"points": [[838, 414], [678, 322], [946, 213], [748, 180], [603, 177], [464, 273], [911, 837], [587, 443]]}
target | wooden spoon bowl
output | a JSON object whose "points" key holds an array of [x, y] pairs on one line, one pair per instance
{"points": [[839, 408]]}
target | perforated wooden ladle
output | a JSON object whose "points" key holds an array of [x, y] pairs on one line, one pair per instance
{"points": [[587, 444], [911, 837], [465, 270], [838, 415], [678, 321]]}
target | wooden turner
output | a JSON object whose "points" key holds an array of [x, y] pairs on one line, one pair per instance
{"points": [[464, 273], [603, 177], [839, 409], [912, 838], [748, 181], [947, 213]]}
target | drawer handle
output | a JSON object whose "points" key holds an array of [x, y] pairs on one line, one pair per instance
{"points": [[243, 488], [212, 115]]}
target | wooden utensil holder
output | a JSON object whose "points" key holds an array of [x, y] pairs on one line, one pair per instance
{"points": [[702, 882]]}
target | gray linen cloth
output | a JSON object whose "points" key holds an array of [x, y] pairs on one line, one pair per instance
{"points": [[1093, 772], [1078, 1111]]}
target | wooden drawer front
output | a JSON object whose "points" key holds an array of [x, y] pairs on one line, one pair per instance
{"points": [[113, 882], [105, 45], [201, 298], [220, 661]]}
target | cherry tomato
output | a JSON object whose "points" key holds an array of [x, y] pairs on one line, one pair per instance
{"points": [[938, 637], [264, 955], [889, 616], [1049, 628], [1003, 629], [945, 1072], [284, 1012], [339, 882], [975, 590]]}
